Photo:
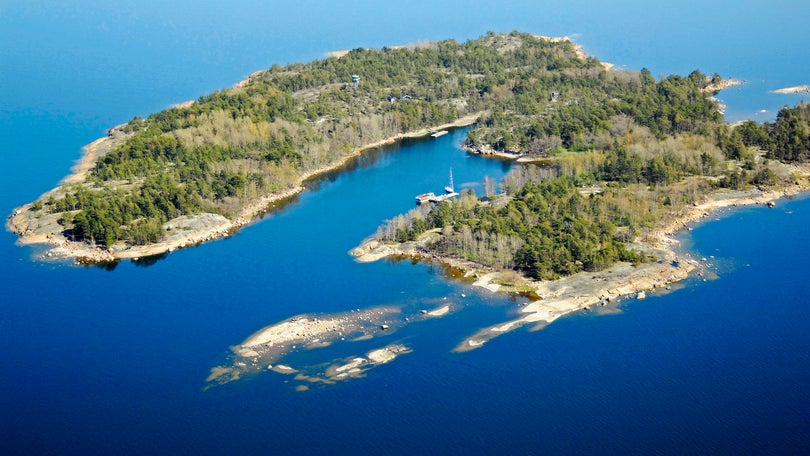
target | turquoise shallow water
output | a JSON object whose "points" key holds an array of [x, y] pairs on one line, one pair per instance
{"points": [[114, 361]]}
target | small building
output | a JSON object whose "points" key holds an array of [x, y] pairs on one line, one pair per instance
{"points": [[355, 80]]}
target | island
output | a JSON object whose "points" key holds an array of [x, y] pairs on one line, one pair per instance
{"points": [[202, 169], [612, 163]]}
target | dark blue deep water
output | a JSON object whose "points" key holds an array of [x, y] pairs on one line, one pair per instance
{"points": [[114, 361]]}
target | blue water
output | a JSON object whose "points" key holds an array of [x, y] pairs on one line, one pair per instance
{"points": [[114, 361]]}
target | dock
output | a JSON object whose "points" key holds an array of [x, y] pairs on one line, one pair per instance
{"points": [[430, 197], [433, 198], [445, 197]]}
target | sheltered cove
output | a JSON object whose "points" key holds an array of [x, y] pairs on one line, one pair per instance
{"points": [[189, 230], [42, 227]]}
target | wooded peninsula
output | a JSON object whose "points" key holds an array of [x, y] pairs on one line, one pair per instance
{"points": [[609, 155]]}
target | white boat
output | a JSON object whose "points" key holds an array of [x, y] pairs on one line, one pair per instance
{"points": [[450, 188]]}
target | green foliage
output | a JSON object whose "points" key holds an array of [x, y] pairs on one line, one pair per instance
{"points": [[547, 230], [787, 139], [765, 177], [752, 135], [623, 167], [571, 234], [732, 145], [228, 148], [735, 179], [575, 105], [790, 134]]}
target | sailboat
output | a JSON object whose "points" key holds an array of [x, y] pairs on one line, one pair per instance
{"points": [[449, 192], [450, 188]]}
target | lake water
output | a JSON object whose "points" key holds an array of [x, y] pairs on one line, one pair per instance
{"points": [[115, 361]]}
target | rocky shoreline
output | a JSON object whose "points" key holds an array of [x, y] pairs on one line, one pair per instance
{"points": [[549, 300], [585, 290], [272, 345]]}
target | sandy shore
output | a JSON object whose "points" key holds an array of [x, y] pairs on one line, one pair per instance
{"points": [[195, 229], [80, 170]]}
